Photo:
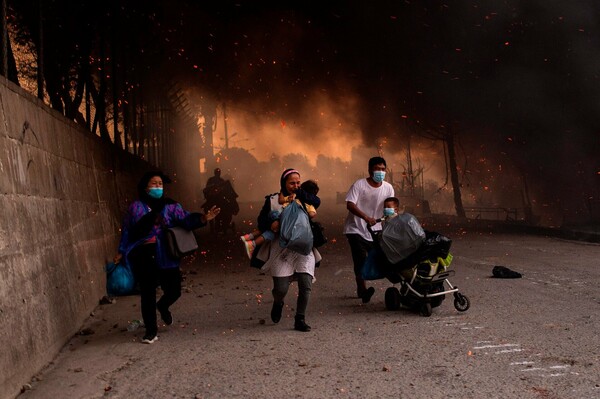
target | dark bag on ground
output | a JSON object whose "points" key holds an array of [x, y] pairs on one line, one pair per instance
{"points": [[294, 232], [119, 279], [504, 272], [180, 242]]}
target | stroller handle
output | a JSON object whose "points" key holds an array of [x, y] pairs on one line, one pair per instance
{"points": [[370, 228]]}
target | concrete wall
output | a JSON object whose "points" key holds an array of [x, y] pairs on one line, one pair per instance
{"points": [[63, 192]]}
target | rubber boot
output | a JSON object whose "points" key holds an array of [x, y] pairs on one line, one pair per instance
{"points": [[300, 324]]}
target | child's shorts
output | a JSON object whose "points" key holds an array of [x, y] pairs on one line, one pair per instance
{"points": [[268, 235]]}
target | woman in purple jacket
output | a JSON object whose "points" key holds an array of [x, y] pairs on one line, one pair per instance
{"points": [[143, 245]]}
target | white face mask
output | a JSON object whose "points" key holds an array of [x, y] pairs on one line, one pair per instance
{"points": [[389, 212]]}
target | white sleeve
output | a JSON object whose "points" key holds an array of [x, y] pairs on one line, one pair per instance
{"points": [[353, 193]]}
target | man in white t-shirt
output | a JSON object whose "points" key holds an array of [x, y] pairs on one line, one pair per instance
{"points": [[364, 202]]}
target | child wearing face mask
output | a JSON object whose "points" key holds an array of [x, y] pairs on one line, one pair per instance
{"points": [[391, 208]]}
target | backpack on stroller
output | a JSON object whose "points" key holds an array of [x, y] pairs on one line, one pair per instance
{"points": [[416, 259]]}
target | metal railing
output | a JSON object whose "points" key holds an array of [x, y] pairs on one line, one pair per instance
{"points": [[492, 213]]}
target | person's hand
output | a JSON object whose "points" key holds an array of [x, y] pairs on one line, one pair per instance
{"points": [[117, 259], [212, 213], [371, 221], [275, 226]]}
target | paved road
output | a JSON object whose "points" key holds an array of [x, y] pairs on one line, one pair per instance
{"points": [[534, 337]]}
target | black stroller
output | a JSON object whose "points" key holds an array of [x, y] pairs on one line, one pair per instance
{"points": [[423, 270]]}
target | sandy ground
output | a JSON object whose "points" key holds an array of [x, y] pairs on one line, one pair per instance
{"points": [[533, 337]]}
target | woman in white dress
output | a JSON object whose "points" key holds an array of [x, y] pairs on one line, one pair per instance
{"points": [[287, 265]]}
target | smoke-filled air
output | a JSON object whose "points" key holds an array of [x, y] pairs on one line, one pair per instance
{"points": [[493, 103]]}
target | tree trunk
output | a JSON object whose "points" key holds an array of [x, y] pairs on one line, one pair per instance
{"points": [[100, 100], [40, 53], [209, 110], [11, 65], [460, 210], [115, 90]]}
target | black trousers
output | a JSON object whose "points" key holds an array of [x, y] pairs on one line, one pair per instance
{"points": [[150, 276], [360, 249]]}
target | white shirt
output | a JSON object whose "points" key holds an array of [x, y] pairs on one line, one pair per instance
{"points": [[370, 200]]}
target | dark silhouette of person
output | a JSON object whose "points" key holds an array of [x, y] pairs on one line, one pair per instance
{"points": [[215, 180], [220, 192]]}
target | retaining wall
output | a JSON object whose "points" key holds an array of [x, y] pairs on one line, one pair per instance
{"points": [[63, 192]]}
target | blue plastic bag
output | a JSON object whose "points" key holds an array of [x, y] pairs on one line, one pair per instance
{"points": [[119, 279], [295, 233], [371, 269]]}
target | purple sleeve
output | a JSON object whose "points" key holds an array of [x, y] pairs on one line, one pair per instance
{"points": [[134, 213]]}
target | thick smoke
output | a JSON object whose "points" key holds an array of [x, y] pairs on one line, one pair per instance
{"points": [[326, 87]]}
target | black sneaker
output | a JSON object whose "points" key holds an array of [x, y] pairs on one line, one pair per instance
{"points": [[166, 316], [366, 295], [276, 311], [149, 338]]}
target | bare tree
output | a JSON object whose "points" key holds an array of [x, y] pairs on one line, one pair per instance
{"points": [[447, 134]]}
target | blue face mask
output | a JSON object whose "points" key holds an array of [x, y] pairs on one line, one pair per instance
{"points": [[389, 212], [378, 176], [155, 192]]}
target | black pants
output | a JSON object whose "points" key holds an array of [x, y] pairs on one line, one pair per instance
{"points": [[150, 276], [360, 249]]}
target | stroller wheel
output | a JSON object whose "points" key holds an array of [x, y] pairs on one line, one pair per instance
{"points": [[461, 302], [425, 309], [392, 298]]}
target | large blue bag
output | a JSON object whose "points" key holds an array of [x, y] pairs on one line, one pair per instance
{"points": [[372, 268], [295, 233], [119, 279]]}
